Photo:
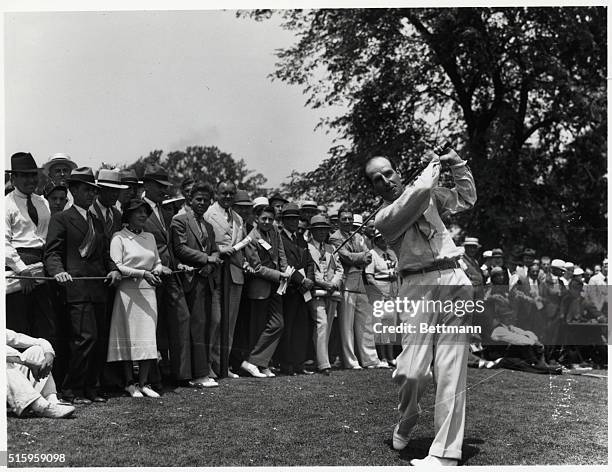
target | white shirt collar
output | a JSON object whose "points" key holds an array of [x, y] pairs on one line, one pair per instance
{"points": [[81, 211]]}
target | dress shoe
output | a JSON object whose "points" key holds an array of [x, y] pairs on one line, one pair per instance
{"points": [[326, 372], [97, 398], [267, 372], [81, 401], [433, 461], [303, 371], [399, 442], [231, 375], [252, 370], [55, 410], [204, 383], [134, 391], [147, 391]]}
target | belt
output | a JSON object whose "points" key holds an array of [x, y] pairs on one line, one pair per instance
{"points": [[443, 264]]}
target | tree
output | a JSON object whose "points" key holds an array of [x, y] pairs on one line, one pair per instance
{"points": [[521, 92], [205, 163]]}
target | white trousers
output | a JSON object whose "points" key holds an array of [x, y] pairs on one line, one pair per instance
{"points": [[357, 331], [21, 388], [324, 310], [445, 353]]}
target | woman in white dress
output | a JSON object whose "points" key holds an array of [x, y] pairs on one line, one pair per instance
{"points": [[134, 319], [382, 285]]}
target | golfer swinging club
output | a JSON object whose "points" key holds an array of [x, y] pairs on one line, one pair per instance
{"points": [[410, 221]]}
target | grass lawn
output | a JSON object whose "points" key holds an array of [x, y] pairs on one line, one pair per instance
{"points": [[346, 419]]}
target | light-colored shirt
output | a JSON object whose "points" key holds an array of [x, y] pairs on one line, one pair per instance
{"points": [[597, 290], [513, 335], [412, 224], [17, 342], [327, 266], [380, 267], [20, 231]]}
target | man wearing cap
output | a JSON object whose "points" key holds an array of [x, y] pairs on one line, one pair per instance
{"points": [[243, 205], [355, 316], [172, 311], [308, 209], [527, 258], [77, 247], [411, 221], [28, 307], [277, 201], [568, 274], [471, 247], [485, 268], [229, 230], [58, 169], [293, 347], [328, 273], [130, 180]]}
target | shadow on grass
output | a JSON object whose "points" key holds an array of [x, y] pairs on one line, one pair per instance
{"points": [[418, 448]]}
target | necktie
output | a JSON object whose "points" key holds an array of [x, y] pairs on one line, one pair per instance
{"points": [[32, 210], [161, 216], [109, 220], [87, 245]]}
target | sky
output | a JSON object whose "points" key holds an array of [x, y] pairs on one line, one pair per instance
{"points": [[112, 86]]}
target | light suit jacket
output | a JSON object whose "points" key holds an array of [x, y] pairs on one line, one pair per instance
{"points": [[327, 267], [227, 235]]}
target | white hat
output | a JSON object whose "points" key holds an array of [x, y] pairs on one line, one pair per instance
{"points": [[110, 178], [357, 219], [578, 271], [558, 263], [568, 265], [59, 158], [308, 205], [487, 254], [471, 242], [260, 201]]}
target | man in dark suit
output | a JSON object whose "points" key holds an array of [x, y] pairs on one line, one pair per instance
{"points": [[193, 242], [267, 264], [172, 309], [78, 247], [298, 323]]}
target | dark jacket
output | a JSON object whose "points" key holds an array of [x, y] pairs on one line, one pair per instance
{"points": [[298, 256], [67, 229], [267, 264]]}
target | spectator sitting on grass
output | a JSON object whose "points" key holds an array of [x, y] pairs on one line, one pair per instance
{"points": [[29, 384]]}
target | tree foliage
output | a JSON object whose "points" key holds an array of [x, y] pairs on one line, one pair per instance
{"points": [[202, 163], [520, 92]]}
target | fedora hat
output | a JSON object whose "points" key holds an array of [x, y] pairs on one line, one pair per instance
{"points": [[277, 197], [558, 263], [23, 162], [242, 198], [176, 199], [468, 241], [51, 187], [319, 221], [59, 158], [497, 252], [309, 205], [487, 254], [529, 252], [110, 178], [128, 176], [290, 209], [357, 219], [82, 175], [260, 201], [156, 173]]}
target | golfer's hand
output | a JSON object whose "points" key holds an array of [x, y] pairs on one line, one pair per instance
{"points": [[63, 278], [450, 158], [27, 285]]}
